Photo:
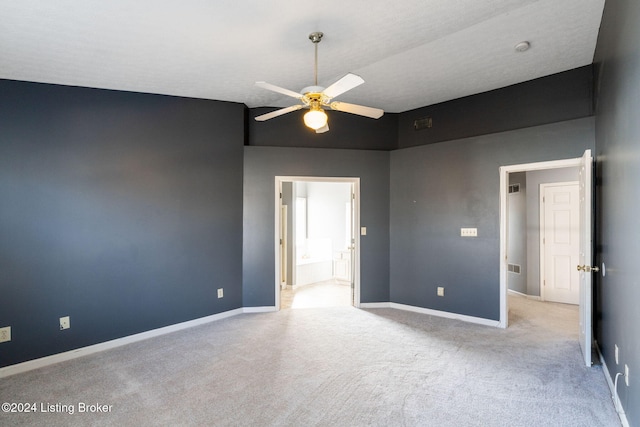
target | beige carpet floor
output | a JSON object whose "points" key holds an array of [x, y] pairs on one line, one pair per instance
{"points": [[332, 366], [330, 293]]}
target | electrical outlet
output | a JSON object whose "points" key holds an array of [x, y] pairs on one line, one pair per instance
{"points": [[626, 374], [440, 291], [469, 232], [616, 353], [65, 323], [220, 293], [5, 334]]}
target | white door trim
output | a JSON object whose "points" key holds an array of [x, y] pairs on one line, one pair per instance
{"points": [[283, 244], [504, 191], [356, 213], [543, 246]]}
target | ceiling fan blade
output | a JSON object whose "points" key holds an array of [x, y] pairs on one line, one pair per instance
{"points": [[346, 83], [277, 113], [279, 89], [361, 110], [323, 129]]}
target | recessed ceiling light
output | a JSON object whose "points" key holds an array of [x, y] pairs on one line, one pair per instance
{"points": [[522, 46]]}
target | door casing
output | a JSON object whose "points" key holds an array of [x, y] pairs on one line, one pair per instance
{"points": [[504, 191], [355, 181]]}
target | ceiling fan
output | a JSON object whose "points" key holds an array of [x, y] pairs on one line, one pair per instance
{"points": [[317, 98]]}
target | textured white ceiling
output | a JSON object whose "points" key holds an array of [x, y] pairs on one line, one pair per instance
{"points": [[411, 53]]}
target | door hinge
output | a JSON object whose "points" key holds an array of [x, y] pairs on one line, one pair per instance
{"points": [[281, 195]]}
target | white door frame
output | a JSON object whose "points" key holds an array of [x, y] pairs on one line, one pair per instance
{"points": [[356, 215], [543, 246], [283, 244], [504, 191]]}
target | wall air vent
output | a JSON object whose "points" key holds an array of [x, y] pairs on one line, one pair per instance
{"points": [[423, 123], [515, 188], [514, 268]]}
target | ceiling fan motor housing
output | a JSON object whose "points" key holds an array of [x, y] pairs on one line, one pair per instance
{"points": [[312, 89]]}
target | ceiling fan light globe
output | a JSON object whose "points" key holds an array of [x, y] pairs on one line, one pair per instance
{"points": [[315, 119]]}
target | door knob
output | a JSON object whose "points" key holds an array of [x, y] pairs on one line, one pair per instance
{"points": [[588, 269]]}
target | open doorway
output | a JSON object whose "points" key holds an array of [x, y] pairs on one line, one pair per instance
{"points": [[542, 234], [317, 254], [584, 166]]}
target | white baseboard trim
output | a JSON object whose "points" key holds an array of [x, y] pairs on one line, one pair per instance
{"points": [[614, 394], [520, 294], [446, 314], [375, 305], [107, 345], [438, 313], [512, 292], [265, 309]]}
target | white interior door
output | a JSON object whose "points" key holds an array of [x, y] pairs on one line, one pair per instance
{"points": [[560, 243], [585, 258]]}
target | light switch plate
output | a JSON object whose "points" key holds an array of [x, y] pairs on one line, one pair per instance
{"points": [[363, 231], [469, 232]]}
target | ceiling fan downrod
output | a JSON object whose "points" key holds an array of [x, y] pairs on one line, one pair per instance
{"points": [[315, 38]]}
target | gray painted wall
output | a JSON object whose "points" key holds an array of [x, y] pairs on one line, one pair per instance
{"points": [[348, 131], [263, 164], [436, 189], [121, 210], [517, 233], [618, 194], [534, 179], [555, 98]]}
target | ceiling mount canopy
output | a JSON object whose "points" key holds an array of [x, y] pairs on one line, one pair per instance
{"points": [[317, 98]]}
